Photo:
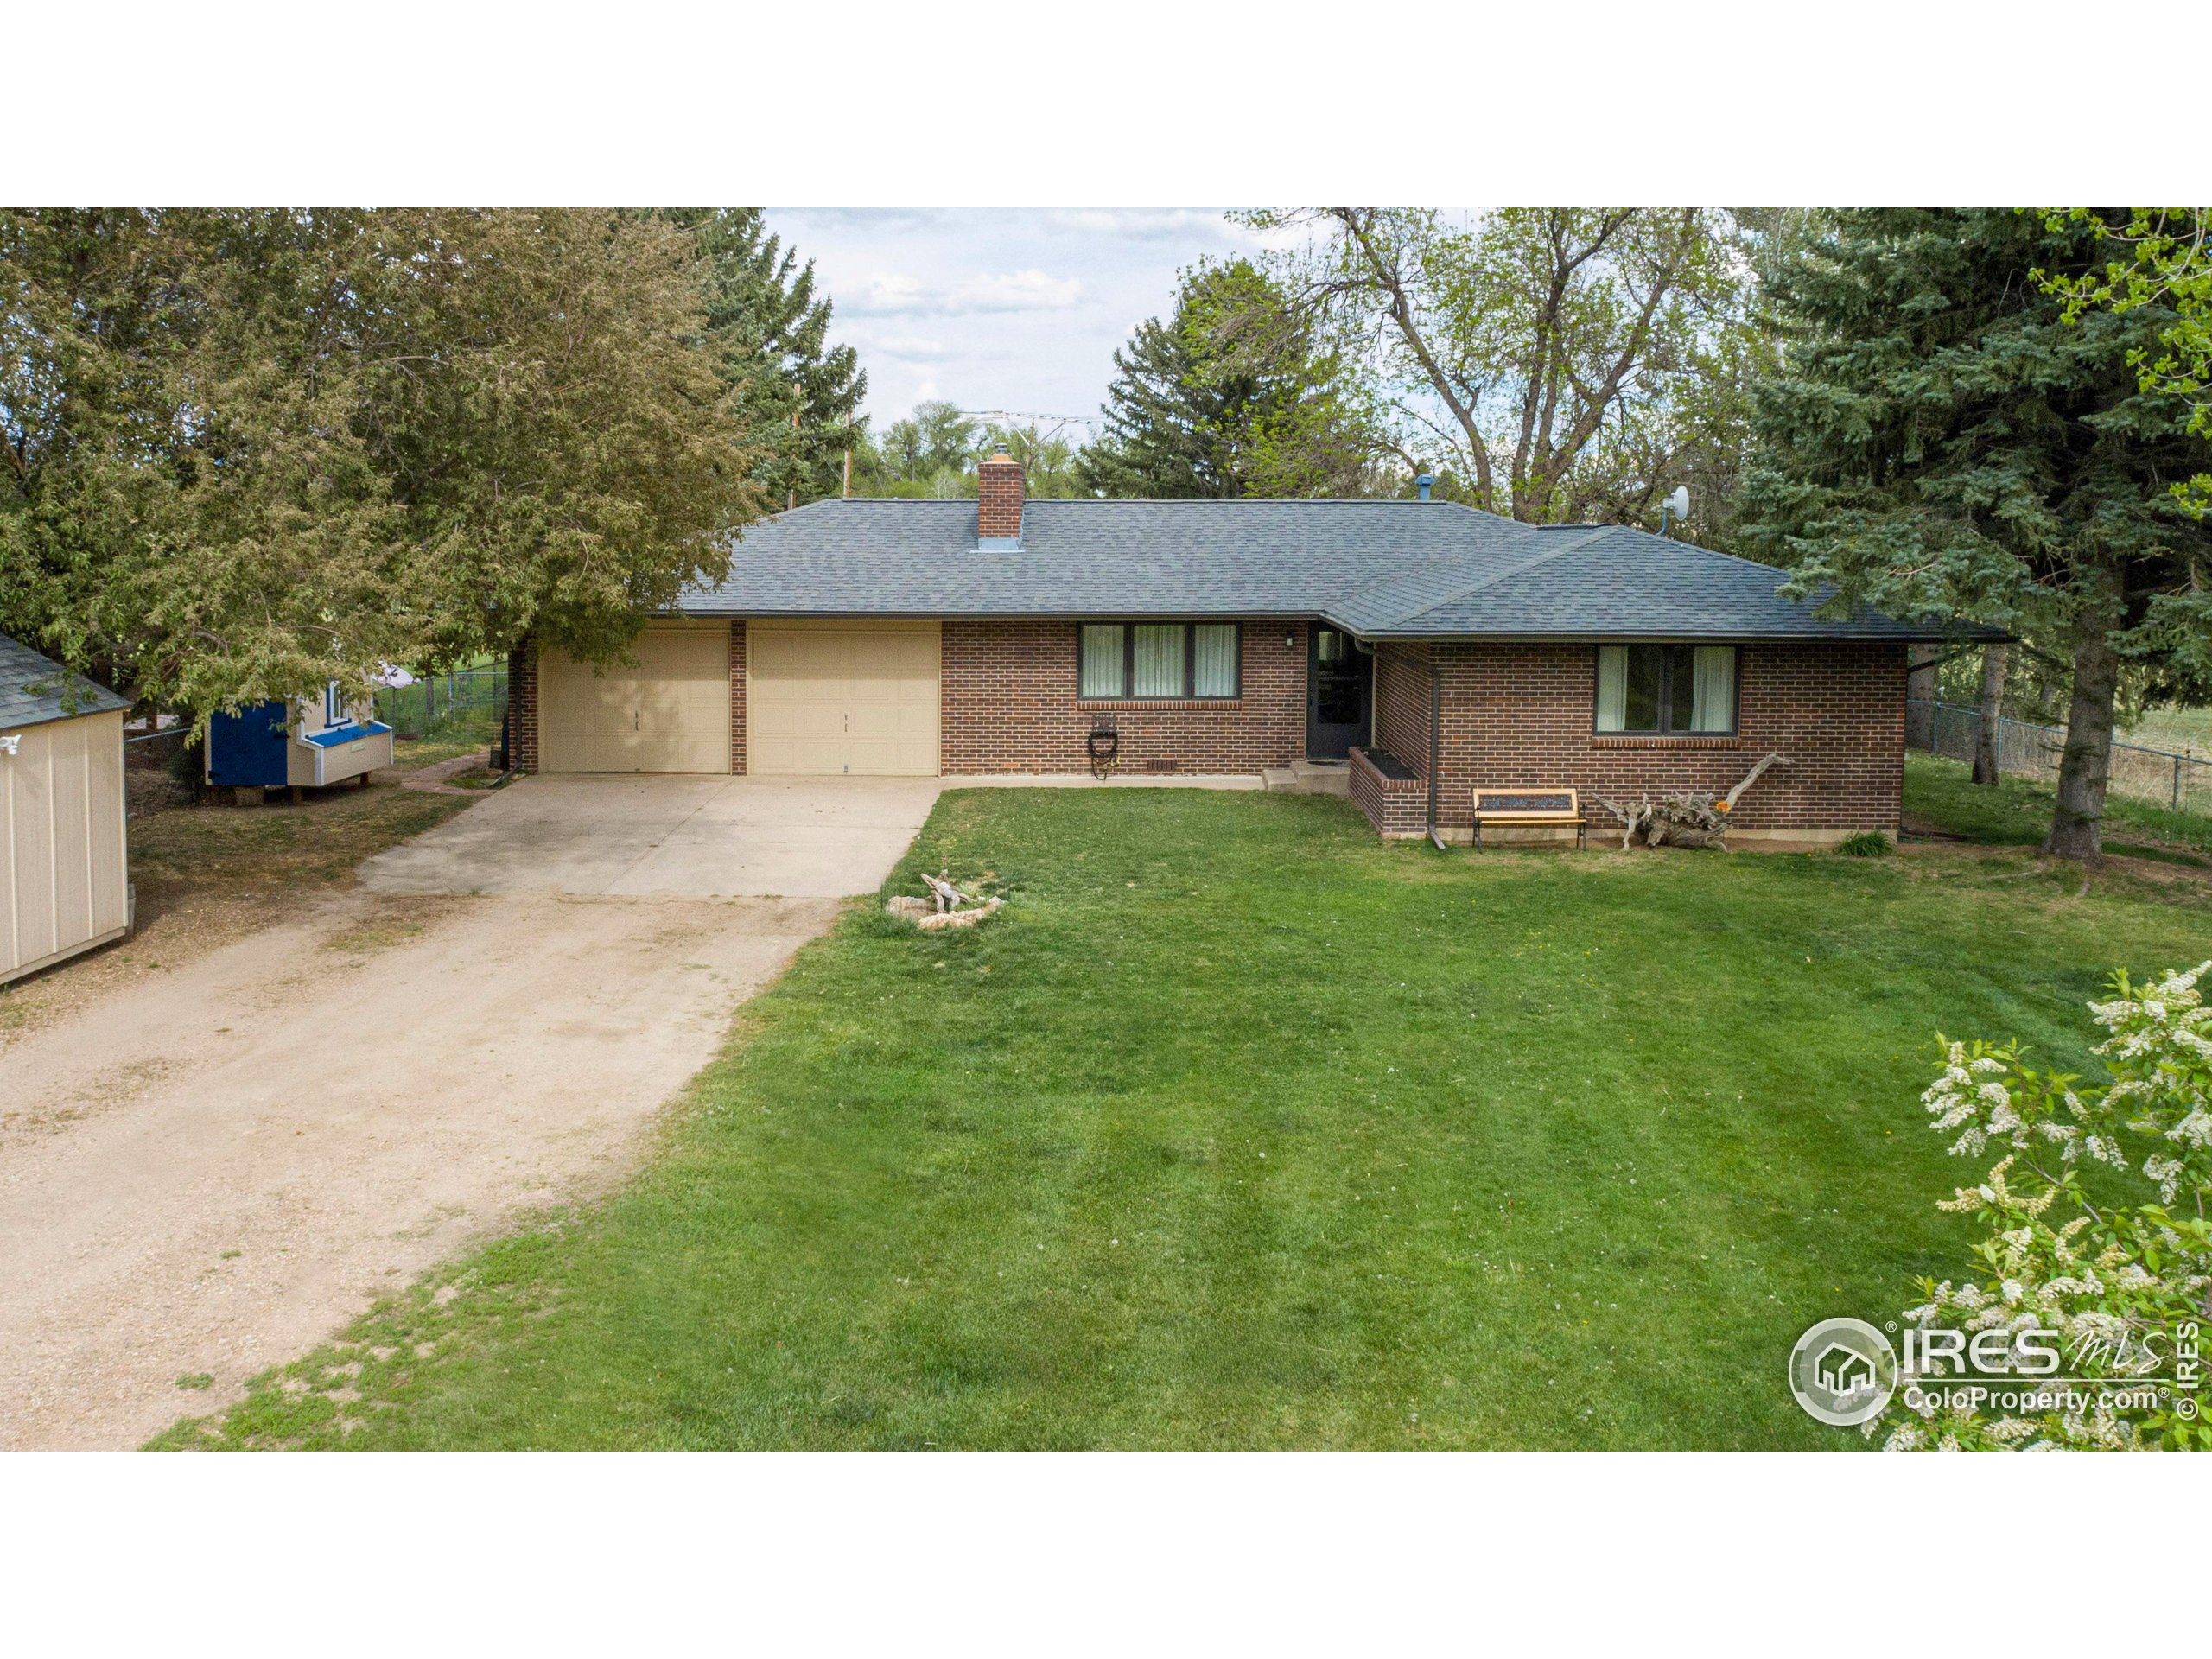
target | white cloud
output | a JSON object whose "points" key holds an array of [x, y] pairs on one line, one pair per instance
{"points": [[1142, 223], [884, 293], [906, 346], [893, 294], [1024, 305], [1020, 291]]}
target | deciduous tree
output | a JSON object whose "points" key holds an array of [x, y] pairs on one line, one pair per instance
{"points": [[249, 452], [1557, 364]]}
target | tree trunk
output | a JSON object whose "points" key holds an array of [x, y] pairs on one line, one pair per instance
{"points": [[1987, 737], [1920, 687], [2077, 826]]}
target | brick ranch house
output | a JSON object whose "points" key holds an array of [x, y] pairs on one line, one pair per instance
{"points": [[1433, 647]]}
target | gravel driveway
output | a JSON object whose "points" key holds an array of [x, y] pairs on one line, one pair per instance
{"points": [[206, 1174]]}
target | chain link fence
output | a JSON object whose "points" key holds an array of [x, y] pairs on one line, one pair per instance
{"points": [[439, 699], [2183, 782]]}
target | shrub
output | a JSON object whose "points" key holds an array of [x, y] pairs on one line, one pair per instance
{"points": [[2124, 1281], [1867, 843]]}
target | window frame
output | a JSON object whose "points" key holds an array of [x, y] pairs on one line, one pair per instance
{"points": [[1189, 693], [1666, 686]]}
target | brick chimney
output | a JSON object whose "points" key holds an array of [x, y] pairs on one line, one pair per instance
{"points": [[998, 501]]}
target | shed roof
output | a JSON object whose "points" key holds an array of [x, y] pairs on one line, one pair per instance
{"points": [[1378, 568], [34, 690]]}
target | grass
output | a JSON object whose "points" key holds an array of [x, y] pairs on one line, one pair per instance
{"points": [[472, 728], [1241, 1129], [2185, 729], [283, 847], [2016, 812]]}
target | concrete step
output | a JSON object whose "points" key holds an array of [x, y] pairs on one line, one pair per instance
{"points": [[1310, 778]]}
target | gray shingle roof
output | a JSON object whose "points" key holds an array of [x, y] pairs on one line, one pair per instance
{"points": [[34, 690], [1380, 569]]}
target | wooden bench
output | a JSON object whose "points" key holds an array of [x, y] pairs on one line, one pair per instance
{"points": [[1528, 809]]}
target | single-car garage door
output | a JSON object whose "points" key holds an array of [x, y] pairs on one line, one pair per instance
{"points": [[670, 713], [844, 697]]}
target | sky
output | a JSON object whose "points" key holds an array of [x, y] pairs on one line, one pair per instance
{"points": [[997, 308]]}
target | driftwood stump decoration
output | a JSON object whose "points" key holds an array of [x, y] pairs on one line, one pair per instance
{"points": [[948, 901], [948, 896], [1686, 820], [958, 917]]}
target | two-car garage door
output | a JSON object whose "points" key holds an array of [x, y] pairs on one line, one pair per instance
{"points": [[822, 699], [836, 698]]}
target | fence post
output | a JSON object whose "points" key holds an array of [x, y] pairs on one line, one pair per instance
{"points": [[2176, 783]]}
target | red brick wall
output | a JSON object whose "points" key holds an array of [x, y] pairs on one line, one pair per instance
{"points": [[998, 499], [737, 695], [1521, 715], [1398, 807], [522, 706], [1009, 704], [1401, 703]]}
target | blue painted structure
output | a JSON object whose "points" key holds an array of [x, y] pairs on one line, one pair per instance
{"points": [[316, 741], [249, 747]]}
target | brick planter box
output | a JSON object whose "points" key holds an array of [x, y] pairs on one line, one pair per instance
{"points": [[1396, 801]]}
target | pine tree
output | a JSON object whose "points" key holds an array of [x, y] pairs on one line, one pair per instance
{"points": [[1942, 440], [797, 395], [1227, 397], [1164, 435]]}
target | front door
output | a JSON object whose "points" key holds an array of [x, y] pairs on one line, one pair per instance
{"points": [[1340, 694]]}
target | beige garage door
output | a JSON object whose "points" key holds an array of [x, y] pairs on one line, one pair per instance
{"points": [[857, 698], [670, 713]]}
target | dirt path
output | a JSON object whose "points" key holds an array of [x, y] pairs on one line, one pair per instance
{"points": [[209, 1171]]}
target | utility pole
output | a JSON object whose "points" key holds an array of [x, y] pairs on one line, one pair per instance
{"points": [[793, 502], [849, 474]]}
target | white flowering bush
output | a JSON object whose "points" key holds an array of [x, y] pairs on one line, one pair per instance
{"points": [[2125, 1285]]}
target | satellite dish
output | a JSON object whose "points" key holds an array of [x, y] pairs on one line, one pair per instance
{"points": [[1677, 505]]}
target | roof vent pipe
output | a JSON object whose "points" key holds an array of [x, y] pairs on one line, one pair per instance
{"points": [[1422, 483]]}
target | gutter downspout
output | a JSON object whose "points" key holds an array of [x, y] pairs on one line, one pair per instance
{"points": [[1435, 743]]}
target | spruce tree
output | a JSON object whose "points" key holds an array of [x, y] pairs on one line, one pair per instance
{"points": [[798, 395], [1164, 435], [1942, 440], [1229, 396]]}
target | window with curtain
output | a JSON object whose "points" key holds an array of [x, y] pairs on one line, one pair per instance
{"points": [[1652, 691], [1157, 660], [1104, 666]]}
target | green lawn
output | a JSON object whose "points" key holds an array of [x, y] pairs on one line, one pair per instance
{"points": [[472, 727], [1241, 1129], [2187, 729], [2017, 812]]}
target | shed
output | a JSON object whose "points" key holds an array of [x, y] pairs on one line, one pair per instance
{"points": [[306, 743], [64, 878]]}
